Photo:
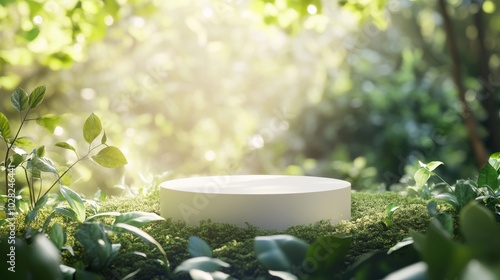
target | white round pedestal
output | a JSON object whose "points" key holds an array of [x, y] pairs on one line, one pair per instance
{"points": [[265, 201]]}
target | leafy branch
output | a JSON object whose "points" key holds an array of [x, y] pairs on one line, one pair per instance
{"points": [[35, 163]]}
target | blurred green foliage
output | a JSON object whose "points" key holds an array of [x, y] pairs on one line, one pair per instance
{"points": [[358, 90]]}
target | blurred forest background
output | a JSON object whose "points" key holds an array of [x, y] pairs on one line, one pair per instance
{"points": [[358, 90]]}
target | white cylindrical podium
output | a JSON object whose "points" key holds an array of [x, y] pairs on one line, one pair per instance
{"points": [[265, 201]]}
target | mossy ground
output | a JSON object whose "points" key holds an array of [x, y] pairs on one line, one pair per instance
{"points": [[235, 244]]}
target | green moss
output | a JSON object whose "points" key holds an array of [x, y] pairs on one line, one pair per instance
{"points": [[234, 244]]}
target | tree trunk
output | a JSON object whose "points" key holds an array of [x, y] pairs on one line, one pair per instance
{"points": [[487, 92], [469, 120]]}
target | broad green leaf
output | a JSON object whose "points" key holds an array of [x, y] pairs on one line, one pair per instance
{"points": [[448, 198], [494, 160], [49, 122], [57, 235], [481, 231], [4, 127], [36, 96], [98, 249], [44, 259], [43, 165], [66, 178], [421, 177], [141, 234], [283, 275], [76, 203], [416, 271], [104, 138], [39, 204], [432, 208], [19, 99], [280, 252], [67, 212], [197, 274], [481, 270], [445, 258], [137, 218], [201, 263], [103, 214], [24, 142], [332, 249], [15, 160], [488, 176], [198, 247], [65, 145], [110, 157], [92, 128], [433, 165], [401, 244], [465, 192], [40, 152], [67, 271]]}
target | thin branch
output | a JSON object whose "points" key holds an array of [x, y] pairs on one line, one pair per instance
{"points": [[469, 120]]}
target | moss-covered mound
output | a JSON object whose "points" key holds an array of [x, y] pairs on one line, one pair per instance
{"points": [[235, 244]]}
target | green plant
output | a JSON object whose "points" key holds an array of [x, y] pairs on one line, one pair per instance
{"points": [[34, 163], [202, 266], [443, 258], [93, 236], [389, 212], [484, 190]]}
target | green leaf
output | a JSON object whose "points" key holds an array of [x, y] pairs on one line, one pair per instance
{"points": [[66, 178], [24, 142], [76, 203], [280, 252], [36, 96], [465, 192], [201, 263], [57, 235], [104, 214], [104, 138], [488, 176], [481, 270], [329, 252], [198, 247], [433, 165], [481, 231], [19, 99], [67, 212], [66, 146], [91, 128], [4, 127], [141, 234], [421, 177], [448, 198], [40, 203], [283, 275], [137, 218], [494, 160], [40, 152], [15, 160], [416, 271], [44, 259], [43, 164], [98, 249], [445, 259], [401, 244], [49, 122], [110, 157]]}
